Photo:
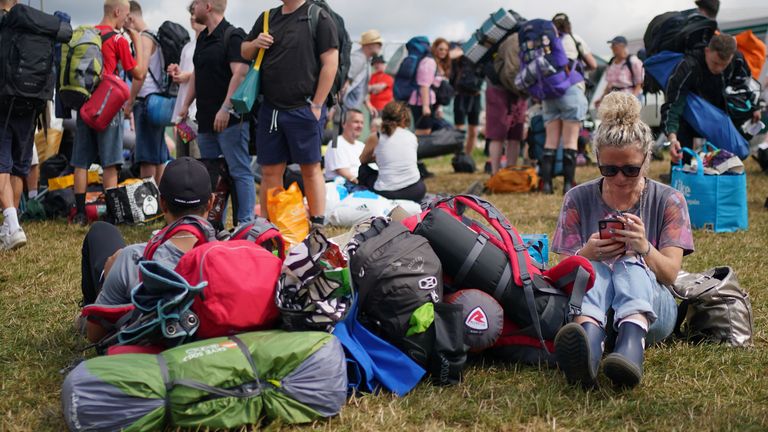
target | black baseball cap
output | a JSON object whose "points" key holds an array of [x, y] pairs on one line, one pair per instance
{"points": [[618, 40], [185, 183]]}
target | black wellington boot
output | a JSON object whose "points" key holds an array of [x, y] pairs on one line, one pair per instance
{"points": [[624, 366], [569, 169], [546, 167], [578, 350]]}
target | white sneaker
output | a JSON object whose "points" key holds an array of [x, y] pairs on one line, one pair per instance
{"points": [[10, 241]]}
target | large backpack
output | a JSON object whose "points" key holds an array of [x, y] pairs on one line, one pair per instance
{"points": [[405, 80], [81, 66], [231, 284], [399, 281], [170, 40], [467, 77], [26, 53], [345, 44], [678, 32], [545, 70], [490, 255]]}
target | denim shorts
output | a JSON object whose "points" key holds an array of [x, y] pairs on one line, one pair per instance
{"points": [[17, 139], [105, 148], [572, 106], [150, 139], [290, 136]]}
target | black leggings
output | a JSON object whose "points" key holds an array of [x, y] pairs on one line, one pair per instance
{"points": [[367, 176], [414, 192], [101, 242]]}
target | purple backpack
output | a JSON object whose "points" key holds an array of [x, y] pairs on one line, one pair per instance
{"points": [[545, 70]]}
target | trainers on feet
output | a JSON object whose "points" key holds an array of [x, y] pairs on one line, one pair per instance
{"points": [[10, 241]]}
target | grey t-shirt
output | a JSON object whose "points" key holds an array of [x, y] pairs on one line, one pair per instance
{"points": [[662, 209], [124, 275]]}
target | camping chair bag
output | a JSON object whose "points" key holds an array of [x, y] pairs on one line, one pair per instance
{"points": [[216, 383]]}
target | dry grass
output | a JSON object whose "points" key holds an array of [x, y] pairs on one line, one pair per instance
{"points": [[686, 387]]}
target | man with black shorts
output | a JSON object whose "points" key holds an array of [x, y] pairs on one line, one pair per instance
{"points": [[296, 76]]}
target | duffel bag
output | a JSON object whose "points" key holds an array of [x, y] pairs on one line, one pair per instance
{"points": [[217, 383]]}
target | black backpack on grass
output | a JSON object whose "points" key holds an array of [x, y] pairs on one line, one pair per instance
{"points": [[399, 281]]}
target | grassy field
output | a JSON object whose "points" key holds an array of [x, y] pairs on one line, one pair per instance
{"points": [[685, 387]]}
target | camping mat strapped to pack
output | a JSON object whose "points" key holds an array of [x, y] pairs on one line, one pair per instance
{"points": [[496, 260], [215, 383]]}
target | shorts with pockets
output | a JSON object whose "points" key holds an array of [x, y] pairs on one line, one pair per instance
{"points": [[572, 106], [105, 147], [290, 136]]}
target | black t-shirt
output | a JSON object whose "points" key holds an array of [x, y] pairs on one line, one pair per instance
{"points": [[213, 73], [291, 66]]}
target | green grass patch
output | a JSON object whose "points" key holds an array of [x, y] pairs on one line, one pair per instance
{"points": [[686, 387]]}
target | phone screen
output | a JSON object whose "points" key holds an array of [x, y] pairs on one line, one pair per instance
{"points": [[606, 225]]}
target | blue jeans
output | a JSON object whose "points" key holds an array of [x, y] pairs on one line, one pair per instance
{"points": [[232, 143], [150, 139], [631, 288]]}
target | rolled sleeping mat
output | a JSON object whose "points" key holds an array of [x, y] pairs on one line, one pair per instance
{"points": [[490, 272], [483, 318], [440, 143]]}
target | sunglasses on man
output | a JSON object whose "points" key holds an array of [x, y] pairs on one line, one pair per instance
{"points": [[627, 170]]}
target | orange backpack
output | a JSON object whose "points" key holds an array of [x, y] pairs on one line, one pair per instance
{"points": [[514, 179], [753, 50]]}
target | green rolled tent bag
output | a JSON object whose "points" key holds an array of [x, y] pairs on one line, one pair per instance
{"points": [[216, 383]]}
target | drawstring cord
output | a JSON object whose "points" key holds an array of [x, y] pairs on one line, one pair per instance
{"points": [[273, 125]]}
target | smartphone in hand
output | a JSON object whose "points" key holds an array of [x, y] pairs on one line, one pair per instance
{"points": [[607, 226]]}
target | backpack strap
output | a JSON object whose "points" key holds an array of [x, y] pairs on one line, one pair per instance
{"points": [[628, 64], [516, 250], [156, 40], [195, 225]]}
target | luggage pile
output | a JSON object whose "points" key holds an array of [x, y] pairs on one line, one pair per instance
{"points": [[240, 332]]}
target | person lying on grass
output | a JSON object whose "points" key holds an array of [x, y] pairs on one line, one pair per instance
{"points": [[110, 269], [634, 255]]}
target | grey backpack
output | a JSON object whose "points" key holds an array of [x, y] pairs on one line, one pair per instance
{"points": [[714, 309]]}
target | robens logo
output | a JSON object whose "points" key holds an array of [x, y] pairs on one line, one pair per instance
{"points": [[477, 320]]}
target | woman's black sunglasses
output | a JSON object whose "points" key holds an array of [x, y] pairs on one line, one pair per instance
{"points": [[627, 170]]}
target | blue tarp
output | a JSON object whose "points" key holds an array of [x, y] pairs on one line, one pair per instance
{"points": [[710, 122]]}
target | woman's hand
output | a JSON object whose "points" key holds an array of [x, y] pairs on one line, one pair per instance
{"points": [[633, 234], [598, 249]]}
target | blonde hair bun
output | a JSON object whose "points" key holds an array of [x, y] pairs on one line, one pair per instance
{"points": [[619, 108]]}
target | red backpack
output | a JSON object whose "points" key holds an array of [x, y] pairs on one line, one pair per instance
{"points": [[241, 279], [105, 102], [492, 257], [242, 275]]}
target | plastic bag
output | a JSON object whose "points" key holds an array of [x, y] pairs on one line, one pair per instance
{"points": [[286, 210]]}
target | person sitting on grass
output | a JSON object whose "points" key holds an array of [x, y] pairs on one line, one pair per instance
{"points": [[395, 152], [344, 159], [110, 269], [632, 263]]}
